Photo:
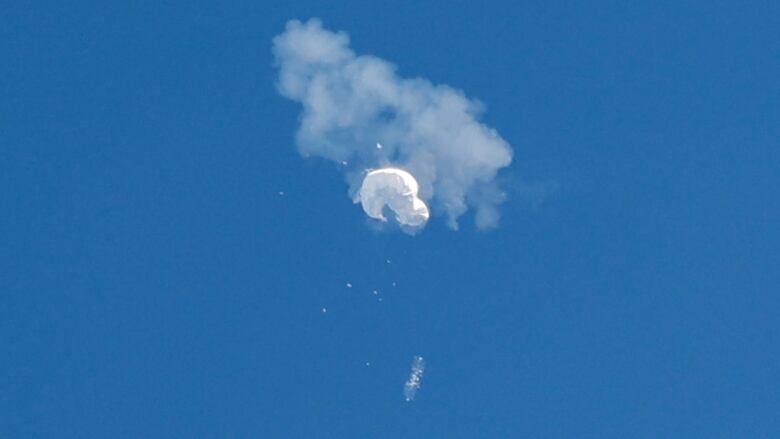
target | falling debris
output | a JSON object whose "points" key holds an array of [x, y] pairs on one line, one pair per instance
{"points": [[324, 310], [378, 146], [413, 383], [375, 292], [368, 363], [388, 261], [281, 192], [349, 285]]}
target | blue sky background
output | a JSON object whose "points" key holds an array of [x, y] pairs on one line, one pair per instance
{"points": [[153, 282]]}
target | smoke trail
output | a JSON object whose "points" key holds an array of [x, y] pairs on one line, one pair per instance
{"points": [[351, 102], [413, 383]]}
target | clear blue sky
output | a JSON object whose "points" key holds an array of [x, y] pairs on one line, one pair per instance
{"points": [[153, 282]]}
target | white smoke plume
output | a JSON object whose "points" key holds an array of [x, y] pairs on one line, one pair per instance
{"points": [[351, 102], [415, 377]]}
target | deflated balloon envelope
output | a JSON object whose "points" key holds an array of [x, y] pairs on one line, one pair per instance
{"points": [[396, 189]]}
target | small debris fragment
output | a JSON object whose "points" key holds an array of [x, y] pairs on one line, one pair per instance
{"points": [[349, 285]]}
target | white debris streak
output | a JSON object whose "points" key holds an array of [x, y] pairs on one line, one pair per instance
{"points": [[415, 377]]}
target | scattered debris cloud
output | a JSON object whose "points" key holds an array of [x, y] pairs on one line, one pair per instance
{"points": [[415, 377], [358, 112], [397, 190]]}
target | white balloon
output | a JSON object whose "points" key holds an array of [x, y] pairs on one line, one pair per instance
{"points": [[396, 189]]}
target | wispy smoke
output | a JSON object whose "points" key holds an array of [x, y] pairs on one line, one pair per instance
{"points": [[352, 102], [415, 377]]}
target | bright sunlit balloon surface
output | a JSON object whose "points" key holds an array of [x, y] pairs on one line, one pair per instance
{"points": [[397, 190]]}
